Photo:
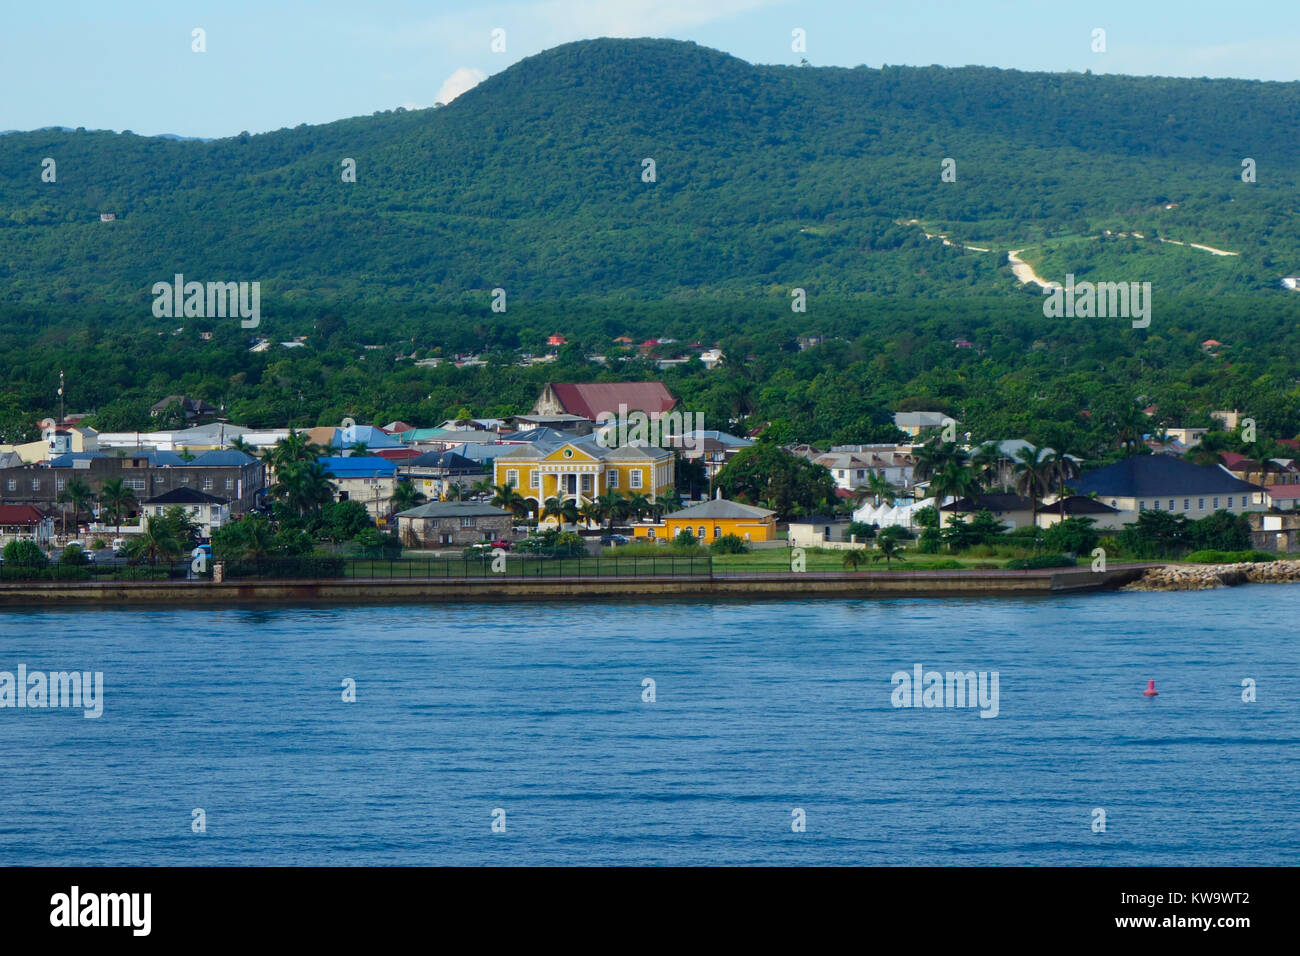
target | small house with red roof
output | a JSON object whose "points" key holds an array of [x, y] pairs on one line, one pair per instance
{"points": [[27, 523]]}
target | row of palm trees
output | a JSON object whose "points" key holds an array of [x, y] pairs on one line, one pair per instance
{"points": [[955, 472], [603, 509], [116, 501]]}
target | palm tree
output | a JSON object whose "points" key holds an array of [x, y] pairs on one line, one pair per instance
{"points": [[303, 485], [1061, 468], [878, 488], [638, 504], [157, 540], [852, 558], [554, 508], [934, 456], [955, 480], [608, 505], [249, 537], [117, 499], [405, 496], [591, 513], [482, 488], [453, 492], [360, 450], [1128, 424], [671, 501], [238, 444], [1033, 476], [986, 463], [294, 447], [505, 496], [621, 510], [888, 547], [77, 493]]}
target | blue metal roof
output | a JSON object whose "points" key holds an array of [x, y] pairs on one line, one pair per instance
{"points": [[365, 466]]}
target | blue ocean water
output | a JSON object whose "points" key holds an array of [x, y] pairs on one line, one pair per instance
{"points": [[761, 708]]}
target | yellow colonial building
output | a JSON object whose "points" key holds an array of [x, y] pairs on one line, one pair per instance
{"points": [[711, 520], [580, 470]]}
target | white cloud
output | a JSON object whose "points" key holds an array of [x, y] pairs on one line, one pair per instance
{"points": [[465, 78]]}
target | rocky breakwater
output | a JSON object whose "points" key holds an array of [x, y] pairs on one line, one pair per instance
{"points": [[1199, 577]]}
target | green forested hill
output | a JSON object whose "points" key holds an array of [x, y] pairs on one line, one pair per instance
{"points": [[767, 178]]}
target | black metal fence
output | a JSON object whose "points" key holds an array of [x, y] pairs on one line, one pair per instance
{"points": [[501, 567]]}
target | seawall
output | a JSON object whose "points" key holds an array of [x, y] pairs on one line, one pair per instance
{"points": [[491, 589]]}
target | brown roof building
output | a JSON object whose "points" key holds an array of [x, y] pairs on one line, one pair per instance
{"points": [[611, 398]]}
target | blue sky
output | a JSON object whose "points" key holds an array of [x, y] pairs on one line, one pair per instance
{"points": [[112, 64]]}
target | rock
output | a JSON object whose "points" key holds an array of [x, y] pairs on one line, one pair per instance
{"points": [[1200, 577]]}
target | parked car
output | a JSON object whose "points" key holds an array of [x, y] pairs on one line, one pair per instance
{"points": [[502, 543], [613, 539]]}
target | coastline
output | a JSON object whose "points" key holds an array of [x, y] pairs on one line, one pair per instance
{"points": [[480, 589], [1201, 577]]}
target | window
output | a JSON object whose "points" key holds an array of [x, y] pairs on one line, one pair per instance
{"points": [[611, 478], [183, 480], [1171, 504], [636, 474], [230, 484], [534, 479], [467, 522], [717, 532], [12, 484], [207, 484], [433, 523], [59, 483], [512, 477], [700, 529], [135, 484], [1187, 504], [1216, 504], [1112, 503], [586, 484], [650, 532], [1229, 501], [1200, 504], [36, 484], [840, 472], [1142, 505]]}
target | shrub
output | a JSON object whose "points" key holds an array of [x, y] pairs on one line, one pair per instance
{"points": [[1229, 557], [99, 544], [860, 530], [684, 539], [24, 554], [73, 556], [1042, 561], [730, 544], [1071, 536]]}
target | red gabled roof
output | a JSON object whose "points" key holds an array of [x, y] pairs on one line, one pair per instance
{"points": [[591, 399], [1232, 459], [1283, 491], [396, 454], [1290, 443], [20, 514]]}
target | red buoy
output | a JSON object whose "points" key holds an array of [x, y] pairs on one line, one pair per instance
{"points": [[1151, 690]]}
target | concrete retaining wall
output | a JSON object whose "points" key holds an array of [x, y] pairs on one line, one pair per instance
{"points": [[442, 590]]}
